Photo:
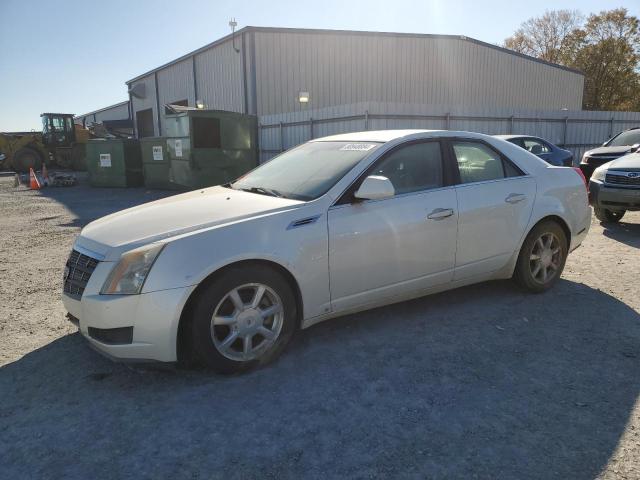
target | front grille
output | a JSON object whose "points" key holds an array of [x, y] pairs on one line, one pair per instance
{"points": [[622, 179], [78, 271], [600, 159]]}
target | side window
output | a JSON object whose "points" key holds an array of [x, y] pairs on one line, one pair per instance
{"points": [[535, 146], [413, 168], [516, 141], [477, 162]]}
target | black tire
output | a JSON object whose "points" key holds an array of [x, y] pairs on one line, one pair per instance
{"points": [[25, 158], [608, 216], [209, 298], [64, 158], [525, 267]]}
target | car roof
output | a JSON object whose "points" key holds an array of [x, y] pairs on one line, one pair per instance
{"points": [[509, 137], [383, 136]]}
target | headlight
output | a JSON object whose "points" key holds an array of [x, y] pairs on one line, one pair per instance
{"points": [[131, 271], [599, 174]]}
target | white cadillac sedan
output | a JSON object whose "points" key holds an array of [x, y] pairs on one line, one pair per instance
{"points": [[336, 225]]}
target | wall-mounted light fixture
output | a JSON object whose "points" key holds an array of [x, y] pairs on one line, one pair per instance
{"points": [[199, 104], [303, 97]]}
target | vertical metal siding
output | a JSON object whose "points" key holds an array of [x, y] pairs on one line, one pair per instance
{"points": [[149, 100], [344, 69], [220, 77], [116, 112], [584, 129], [176, 83]]}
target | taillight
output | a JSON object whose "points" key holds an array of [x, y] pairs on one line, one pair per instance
{"points": [[581, 173]]}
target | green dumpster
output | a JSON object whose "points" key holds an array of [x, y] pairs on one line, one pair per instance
{"points": [[114, 162], [156, 166], [210, 147]]}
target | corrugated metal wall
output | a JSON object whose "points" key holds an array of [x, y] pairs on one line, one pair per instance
{"points": [[119, 111], [345, 68], [220, 77], [149, 100], [175, 83], [575, 130]]}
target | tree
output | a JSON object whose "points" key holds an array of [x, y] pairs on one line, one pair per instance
{"points": [[546, 37], [605, 47], [608, 52]]}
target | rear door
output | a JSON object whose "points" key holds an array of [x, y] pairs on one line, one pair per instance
{"points": [[495, 200]]}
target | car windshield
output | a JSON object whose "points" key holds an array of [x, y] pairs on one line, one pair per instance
{"points": [[305, 172], [630, 137]]}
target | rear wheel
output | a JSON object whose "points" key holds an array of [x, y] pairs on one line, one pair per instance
{"points": [[243, 319], [542, 257], [26, 158], [608, 216]]}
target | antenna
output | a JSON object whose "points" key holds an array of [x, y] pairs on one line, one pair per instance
{"points": [[233, 24]]}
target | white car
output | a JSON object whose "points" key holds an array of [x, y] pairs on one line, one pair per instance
{"points": [[336, 225]]}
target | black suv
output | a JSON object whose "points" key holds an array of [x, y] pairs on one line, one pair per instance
{"points": [[617, 146]]}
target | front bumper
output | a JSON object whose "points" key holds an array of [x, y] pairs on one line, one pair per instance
{"points": [[154, 318], [613, 198]]}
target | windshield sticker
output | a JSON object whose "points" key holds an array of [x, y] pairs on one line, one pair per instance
{"points": [[358, 147]]}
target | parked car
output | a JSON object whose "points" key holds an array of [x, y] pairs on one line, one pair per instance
{"points": [[336, 225], [547, 151], [614, 188], [616, 147]]}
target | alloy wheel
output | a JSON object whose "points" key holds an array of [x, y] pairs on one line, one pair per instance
{"points": [[546, 258], [247, 322]]}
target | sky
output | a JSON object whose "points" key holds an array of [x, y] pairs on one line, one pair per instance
{"points": [[72, 56]]}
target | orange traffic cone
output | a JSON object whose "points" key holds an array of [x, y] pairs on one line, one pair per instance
{"points": [[45, 176], [34, 184]]}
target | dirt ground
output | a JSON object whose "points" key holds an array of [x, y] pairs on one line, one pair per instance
{"points": [[481, 382]]}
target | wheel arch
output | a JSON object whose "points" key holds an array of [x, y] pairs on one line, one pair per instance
{"points": [[554, 218], [183, 353]]}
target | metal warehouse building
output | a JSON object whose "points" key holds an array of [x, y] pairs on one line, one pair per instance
{"points": [[119, 111], [266, 71]]}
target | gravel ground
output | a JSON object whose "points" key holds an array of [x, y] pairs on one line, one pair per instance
{"points": [[480, 382]]}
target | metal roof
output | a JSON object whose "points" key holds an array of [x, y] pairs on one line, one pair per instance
{"points": [[349, 32], [103, 109]]}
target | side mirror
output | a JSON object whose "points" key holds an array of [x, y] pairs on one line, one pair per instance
{"points": [[375, 187]]}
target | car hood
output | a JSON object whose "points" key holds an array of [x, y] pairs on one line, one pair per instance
{"points": [[176, 215], [609, 150], [627, 162]]}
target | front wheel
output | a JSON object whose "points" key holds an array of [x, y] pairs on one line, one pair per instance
{"points": [[542, 257], [608, 216], [243, 319]]}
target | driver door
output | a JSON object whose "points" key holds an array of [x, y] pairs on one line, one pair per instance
{"points": [[394, 247]]}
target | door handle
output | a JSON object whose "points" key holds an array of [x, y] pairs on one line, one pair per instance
{"points": [[515, 197], [440, 213]]}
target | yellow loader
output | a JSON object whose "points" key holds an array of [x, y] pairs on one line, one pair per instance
{"points": [[61, 143]]}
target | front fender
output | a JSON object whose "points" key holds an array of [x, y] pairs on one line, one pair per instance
{"points": [[303, 251]]}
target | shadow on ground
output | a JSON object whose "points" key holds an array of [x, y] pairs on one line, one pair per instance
{"points": [[627, 233], [482, 382], [90, 203]]}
